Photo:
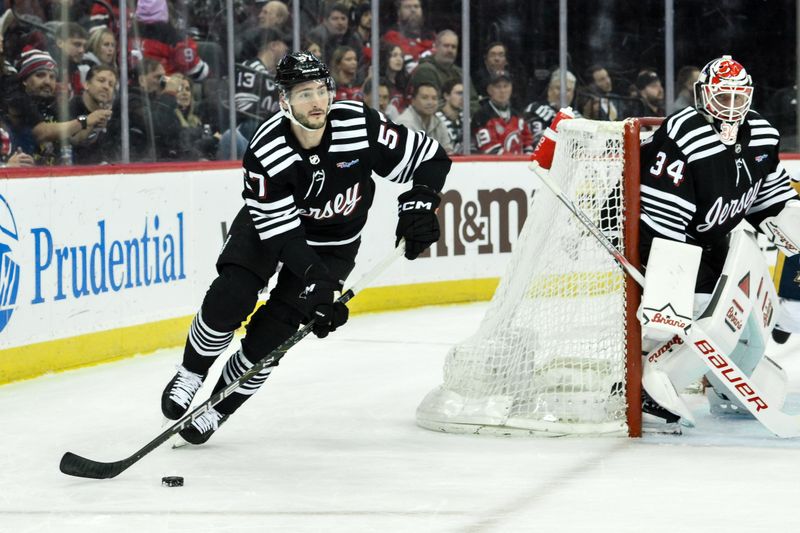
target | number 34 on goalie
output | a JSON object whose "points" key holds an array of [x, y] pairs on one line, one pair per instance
{"points": [[674, 170]]}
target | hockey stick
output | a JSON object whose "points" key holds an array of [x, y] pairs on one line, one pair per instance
{"points": [[75, 465], [735, 381]]}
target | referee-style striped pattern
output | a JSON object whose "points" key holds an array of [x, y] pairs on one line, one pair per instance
{"points": [[207, 341], [775, 189], [695, 143], [236, 366], [666, 214]]}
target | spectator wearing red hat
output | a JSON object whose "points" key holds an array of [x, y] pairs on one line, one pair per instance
{"points": [[37, 117]]}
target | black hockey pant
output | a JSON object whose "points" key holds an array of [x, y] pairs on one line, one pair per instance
{"points": [[228, 302]]}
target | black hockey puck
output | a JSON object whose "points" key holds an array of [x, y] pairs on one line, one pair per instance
{"points": [[172, 481]]}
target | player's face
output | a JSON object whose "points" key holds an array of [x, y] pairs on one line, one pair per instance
{"points": [[41, 84], [108, 49], [101, 87], [500, 92], [309, 103]]}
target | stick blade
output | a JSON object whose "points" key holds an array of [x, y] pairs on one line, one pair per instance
{"points": [[75, 465]]}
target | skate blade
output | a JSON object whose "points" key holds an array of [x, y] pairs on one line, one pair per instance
{"points": [[178, 442], [673, 428]]}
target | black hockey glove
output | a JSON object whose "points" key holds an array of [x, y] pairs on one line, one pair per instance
{"points": [[417, 221], [319, 293]]}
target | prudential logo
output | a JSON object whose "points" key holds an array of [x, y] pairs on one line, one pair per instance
{"points": [[9, 269]]}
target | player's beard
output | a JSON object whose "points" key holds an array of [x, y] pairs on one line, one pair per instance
{"points": [[312, 123]]}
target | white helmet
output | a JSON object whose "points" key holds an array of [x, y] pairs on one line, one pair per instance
{"points": [[724, 90]]}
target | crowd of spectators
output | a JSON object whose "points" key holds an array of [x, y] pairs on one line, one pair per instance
{"points": [[60, 80]]}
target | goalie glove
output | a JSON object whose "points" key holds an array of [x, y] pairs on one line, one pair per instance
{"points": [[417, 222], [784, 228]]}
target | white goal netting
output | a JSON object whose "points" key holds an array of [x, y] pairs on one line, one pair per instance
{"points": [[549, 356]]}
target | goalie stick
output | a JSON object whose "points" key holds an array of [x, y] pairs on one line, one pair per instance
{"points": [[75, 465], [737, 383]]}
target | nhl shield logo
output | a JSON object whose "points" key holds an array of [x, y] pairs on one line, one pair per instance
{"points": [[314, 159], [9, 269]]}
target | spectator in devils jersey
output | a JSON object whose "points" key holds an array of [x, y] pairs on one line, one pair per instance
{"points": [[161, 41], [344, 69], [71, 43], [98, 143], [540, 114], [421, 115], [409, 34], [498, 127]]}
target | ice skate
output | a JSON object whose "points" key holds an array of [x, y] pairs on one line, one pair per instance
{"points": [[179, 392], [201, 428], [656, 419]]}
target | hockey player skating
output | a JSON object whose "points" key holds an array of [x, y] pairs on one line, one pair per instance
{"points": [[707, 169], [307, 190]]}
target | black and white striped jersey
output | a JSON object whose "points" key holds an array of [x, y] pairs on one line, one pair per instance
{"points": [[322, 195], [256, 93], [696, 189]]}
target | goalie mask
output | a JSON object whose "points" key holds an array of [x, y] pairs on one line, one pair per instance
{"points": [[297, 68], [724, 90]]}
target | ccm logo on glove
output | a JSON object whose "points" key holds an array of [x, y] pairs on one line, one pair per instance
{"points": [[419, 204], [417, 222]]}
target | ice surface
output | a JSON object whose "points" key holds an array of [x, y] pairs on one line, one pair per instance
{"points": [[330, 444]]}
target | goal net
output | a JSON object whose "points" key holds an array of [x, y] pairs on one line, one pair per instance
{"points": [[556, 350]]}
